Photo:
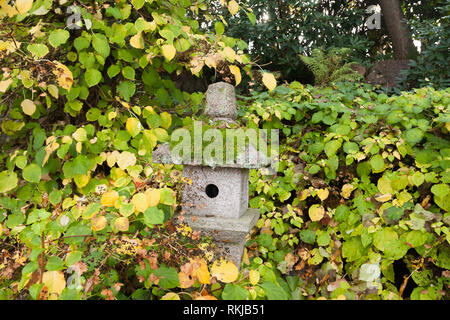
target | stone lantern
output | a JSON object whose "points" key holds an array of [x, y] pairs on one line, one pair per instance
{"points": [[216, 202]]}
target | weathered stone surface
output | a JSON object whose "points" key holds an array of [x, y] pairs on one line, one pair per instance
{"points": [[231, 200], [226, 230], [385, 73], [221, 101], [228, 234]]}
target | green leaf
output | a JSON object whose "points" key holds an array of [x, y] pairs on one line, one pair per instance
{"points": [[113, 70], [352, 249], [307, 236], [234, 292], [101, 45], [413, 136], [54, 263], [73, 257], [219, 27], [377, 163], [126, 89], [8, 181], [440, 190], [394, 213], [128, 73], [58, 37], [168, 196], [92, 77], [153, 216], [32, 173], [38, 50], [169, 277], [274, 291], [331, 147], [81, 43]]}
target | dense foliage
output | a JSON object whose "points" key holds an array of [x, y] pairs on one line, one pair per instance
{"points": [[361, 197]]}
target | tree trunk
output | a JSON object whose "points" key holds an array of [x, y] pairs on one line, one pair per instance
{"points": [[398, 29]]}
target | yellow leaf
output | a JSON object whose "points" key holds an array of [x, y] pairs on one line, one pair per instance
{"points": [[347, 190], [126, 159], [254, 277], [201, 272], [229, 53], [168, 51], [55, 283], [153, 197], [207, 297], [323, 194], [80, 135], [82, 180], [140, 202], [384, 197], [109, 198], [111, 158], [316, 212], [99, 223], [233, 7], [304, 194], [5, 84], [23, 6], [237, 74], [133, 126], [28, 107], [63, 75], [1, 229], [269, 81], [278, 114], [122, 224], [170, 296], [447, 125], [79, 147], [137, 41], [225, 271]]}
